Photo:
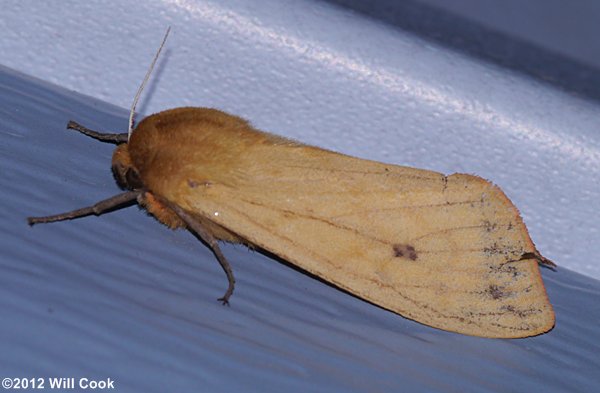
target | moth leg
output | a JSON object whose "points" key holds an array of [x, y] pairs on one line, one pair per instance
{"points": [[96, 209], [199, 229], [101, 136]]}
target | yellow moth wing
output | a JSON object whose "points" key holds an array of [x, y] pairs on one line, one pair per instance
{"points": [[446, 251]]}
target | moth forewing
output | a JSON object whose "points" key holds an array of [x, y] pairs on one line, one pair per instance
{"points": [[447, 251]]}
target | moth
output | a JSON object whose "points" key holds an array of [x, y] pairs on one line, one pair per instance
{"points": [[450, 252]]}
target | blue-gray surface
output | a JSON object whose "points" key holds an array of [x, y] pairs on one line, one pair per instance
{"points": [[122, 297], [385, 80]]}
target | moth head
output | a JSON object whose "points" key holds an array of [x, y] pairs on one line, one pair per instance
{"points": [[126, 175]]}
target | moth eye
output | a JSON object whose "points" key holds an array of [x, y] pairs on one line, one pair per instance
{"points": [[127, 177], [133, 180]]}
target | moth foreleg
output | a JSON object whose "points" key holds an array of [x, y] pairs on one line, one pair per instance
{"points": [[207, 236], [96, 209]]}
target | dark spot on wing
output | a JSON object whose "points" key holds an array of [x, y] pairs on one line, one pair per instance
{"points": [[405, 251], [495, 292], [489, 226], [505, 268]]}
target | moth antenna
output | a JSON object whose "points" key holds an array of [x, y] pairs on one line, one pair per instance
{"points": [[141, 88]]}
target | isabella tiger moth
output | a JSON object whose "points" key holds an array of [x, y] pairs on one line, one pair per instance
{"points": [[451, 252]]}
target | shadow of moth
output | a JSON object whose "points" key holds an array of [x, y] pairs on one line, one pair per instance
{"points": [[451, 252]]}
